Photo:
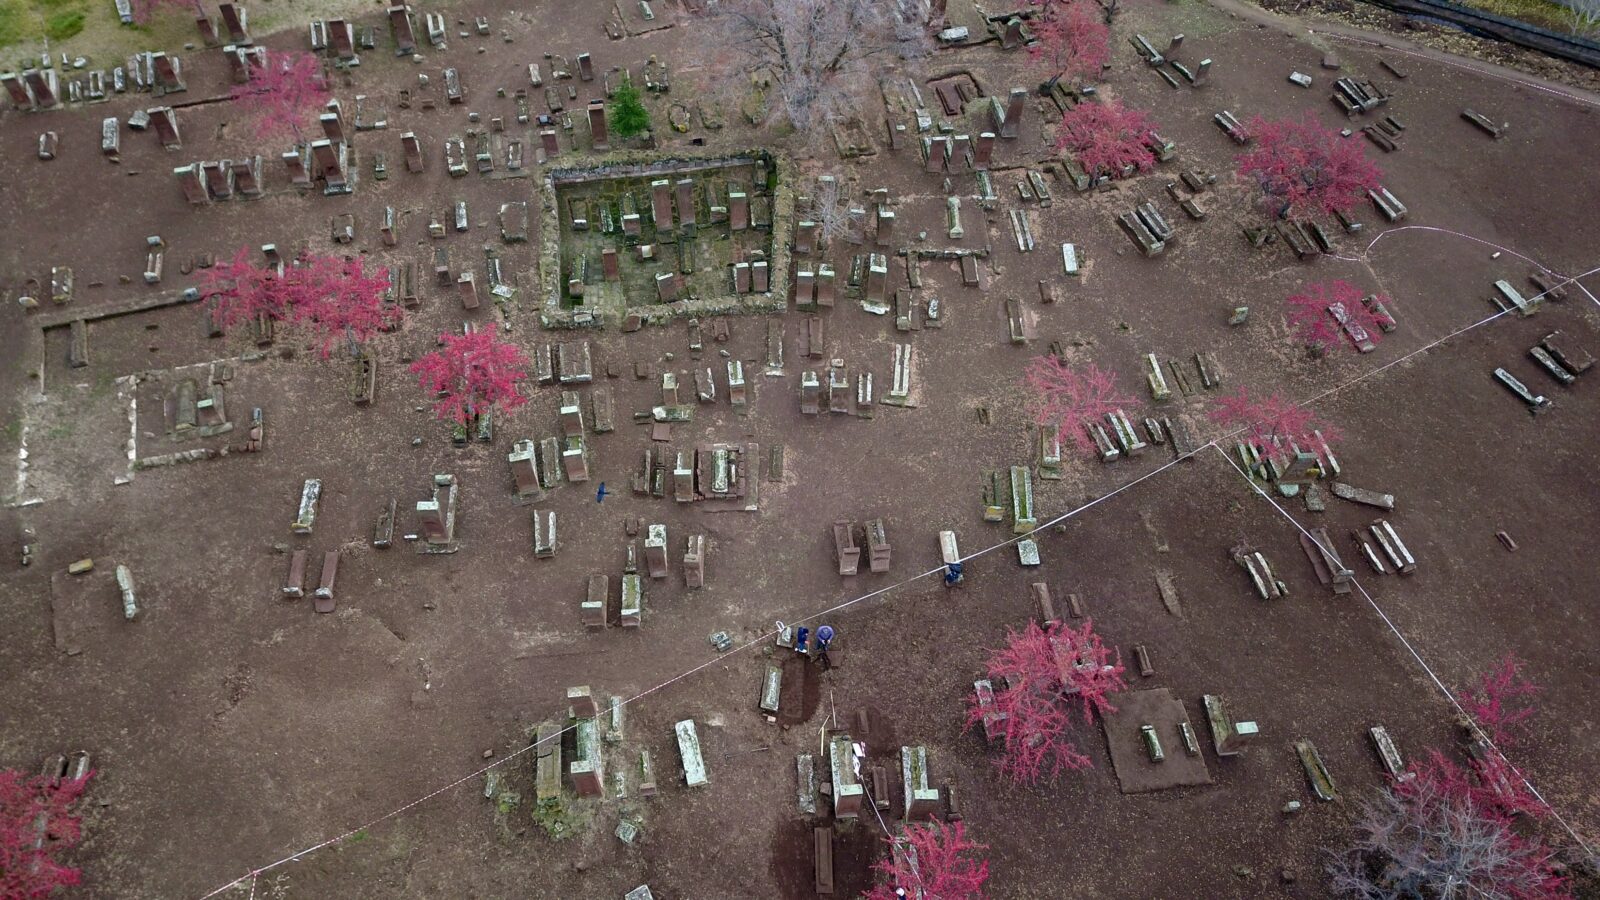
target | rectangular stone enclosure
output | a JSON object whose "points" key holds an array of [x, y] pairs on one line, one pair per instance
{"points": [[671, 228]]}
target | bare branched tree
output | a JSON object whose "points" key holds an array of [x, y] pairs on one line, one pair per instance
{"points": [[816, 54], [830, 210], [1583, 17], [1446, 832]]}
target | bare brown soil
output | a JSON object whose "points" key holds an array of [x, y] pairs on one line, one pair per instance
{"points": [[232, 729]]}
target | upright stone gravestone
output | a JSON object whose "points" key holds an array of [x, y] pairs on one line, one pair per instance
{"points": [[655, 551], [599, 136], [405, 40]]}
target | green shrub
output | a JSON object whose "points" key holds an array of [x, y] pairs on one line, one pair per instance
{"points": [[629, 117], [61, 25], [17, 22]]}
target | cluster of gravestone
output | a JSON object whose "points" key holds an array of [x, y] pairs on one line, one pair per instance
{"points": [[848, 779], [151, 72], [719, 475], [193, 410], [1556, 354], [735, 205], [1154, 727], [603, 767], [435, 520], [1194, 75], [1296, 470]]}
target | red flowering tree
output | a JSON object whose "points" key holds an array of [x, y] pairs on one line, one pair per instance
{"points": [[1046, 681], [1447, 827], [1107, 138], [1500, 702], [36, 827], [471, 374], [1315, 312], [336, 298], [1269, 424], [1071, 39], [932, 860], [241, 291], [1071, 399], [282, 93], [1305, 168]]}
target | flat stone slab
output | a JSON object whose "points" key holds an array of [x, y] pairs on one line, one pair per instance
{"points": [[1136, 774]]}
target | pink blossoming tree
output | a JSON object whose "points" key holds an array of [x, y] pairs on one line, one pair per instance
{"points": [[472, 374], [282, 93], [932, 860], [1069, 399], [1270, 423], [1305, 168], [1308, 312], [1071, 39], [335, 298], [1501, 702], [37, 826], [1046, 682], [1107, 138]]}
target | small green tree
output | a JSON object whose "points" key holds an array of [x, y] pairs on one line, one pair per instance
{"points": [[629, 117]]}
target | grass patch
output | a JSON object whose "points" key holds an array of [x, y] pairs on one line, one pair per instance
{"points": [[61, 25], [18, 22], [555, 818], [1542, 13]]}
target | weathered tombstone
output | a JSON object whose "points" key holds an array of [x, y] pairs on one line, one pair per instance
{"points": [[587, 769], [1015, 103], [236, 20], [1011, 34], [694, 766], [805, 238], [247, 177], [877, 546], [685, 204], [405, 40], [322, 598], [43, 85], [594, 604], [194, 188], [1227, 736], [598, 134], [294, 582], [167, 71], [307, 516], [467, 289], [655, 551], [165, 121], [631, 612], [921, 800], [667, 286], [21, 98], [694, 560], [847, 790]]}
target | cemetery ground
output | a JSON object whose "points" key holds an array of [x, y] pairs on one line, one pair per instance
{"points": [[231, 727]]}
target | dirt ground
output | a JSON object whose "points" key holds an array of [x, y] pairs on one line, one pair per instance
{"points": [[232, 729]]}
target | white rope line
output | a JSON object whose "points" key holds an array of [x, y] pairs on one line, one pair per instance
{"points": [[1542, 267], [938, 570], [1431, 344], [1448, 694], [911, 861], [1459, 65]]}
